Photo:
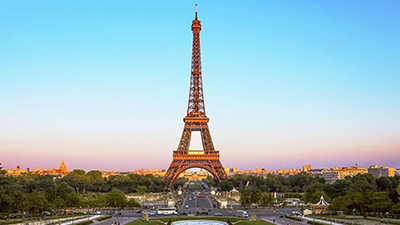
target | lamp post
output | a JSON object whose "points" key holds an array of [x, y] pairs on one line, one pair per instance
{"points": [[88, 214], [354, 216], [387, 217], [274, 215], [331, 217], [73, 216]]}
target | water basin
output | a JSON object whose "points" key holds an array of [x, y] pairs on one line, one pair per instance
{"points": [[199, 222]]}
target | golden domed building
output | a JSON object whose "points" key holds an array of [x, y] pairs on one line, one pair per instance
{"points": [[63, 168]]}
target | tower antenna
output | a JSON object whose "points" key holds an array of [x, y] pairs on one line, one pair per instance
{"points": [[196, 11]]}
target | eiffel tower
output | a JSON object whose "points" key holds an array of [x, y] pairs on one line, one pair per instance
{"points": [[195, 120]]}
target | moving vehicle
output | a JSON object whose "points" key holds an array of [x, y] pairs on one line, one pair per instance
{"points": [[241, 213], [167, 211]]}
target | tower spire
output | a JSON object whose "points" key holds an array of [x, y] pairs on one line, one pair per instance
{"points": [[196, 105], [196, 11]]}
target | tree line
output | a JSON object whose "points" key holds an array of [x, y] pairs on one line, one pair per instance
{"points": [[35, 193], [362, 193]]}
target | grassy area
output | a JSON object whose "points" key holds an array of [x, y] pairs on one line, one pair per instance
{"points": [[103, 218], [85, 222], [47, 218], [294, 218], [224, 219]]}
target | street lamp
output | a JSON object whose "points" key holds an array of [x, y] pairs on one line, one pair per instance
{"points": [[387, 217], [274, 215], [354, 216], [88, 214]]}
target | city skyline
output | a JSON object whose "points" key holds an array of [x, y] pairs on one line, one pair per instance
{"points": [[105, 85]]}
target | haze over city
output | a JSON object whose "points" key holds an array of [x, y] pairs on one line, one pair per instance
{"points": [[104, 85]]}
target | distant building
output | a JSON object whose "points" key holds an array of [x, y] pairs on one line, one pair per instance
{"points": [[62, 171], [195, 175], [316, 172], [331, 176], [231, 171], [338, 173], [288, 172], [306, 168], [385, 171], [63, 167], [16, 172]]}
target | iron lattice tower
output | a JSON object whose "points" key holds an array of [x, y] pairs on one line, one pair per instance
{"points": [[195, 120]]}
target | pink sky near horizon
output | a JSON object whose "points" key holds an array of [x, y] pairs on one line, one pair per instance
{"points": [[274, 160]]}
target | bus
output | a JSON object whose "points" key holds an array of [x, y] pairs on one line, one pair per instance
{"points": [[167, 211]]}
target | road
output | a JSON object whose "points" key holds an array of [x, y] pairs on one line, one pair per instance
{"points": [[196, 202]]}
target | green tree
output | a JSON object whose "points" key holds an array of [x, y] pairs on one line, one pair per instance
{"points": [[340, 203], [226, 185], [249, 195], [132, 203], [300, 180], [35, 202], [59, 203], [72, 199], [358, 201], [210, 181], [339, 188], [380, 203], [363, 183], [314, 192], [266, 199], [44, 184], [116, 198], [396, 209], [78, 180], [63, 189], [141, 190], [2, 171], [180, 182], [95, 176], [384, 184], [398, 191]]}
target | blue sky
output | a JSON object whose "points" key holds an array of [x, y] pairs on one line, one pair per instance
{"points": [[104, 84]]}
